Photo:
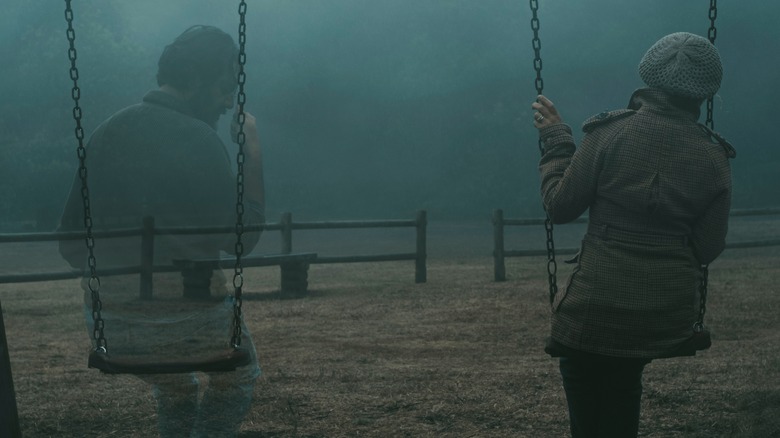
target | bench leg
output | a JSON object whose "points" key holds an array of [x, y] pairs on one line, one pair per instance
{"points": [[295, 279], [197, 283]]}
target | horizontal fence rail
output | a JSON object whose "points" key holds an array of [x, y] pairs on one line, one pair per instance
{"points": [[419, 256], [286, 226], [500, 253]]}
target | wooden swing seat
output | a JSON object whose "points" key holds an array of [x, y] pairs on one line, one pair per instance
{"points": [[227, 360]]}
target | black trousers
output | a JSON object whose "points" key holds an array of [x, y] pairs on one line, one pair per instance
{"points": [[603, 394]]}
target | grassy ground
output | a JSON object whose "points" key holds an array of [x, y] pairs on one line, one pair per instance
{"points": [[371, 354]]}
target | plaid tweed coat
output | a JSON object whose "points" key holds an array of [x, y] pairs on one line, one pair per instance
{"points": [[658, 186]]}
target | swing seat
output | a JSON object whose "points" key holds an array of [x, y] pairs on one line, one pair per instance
{"points": [[227, 360]]}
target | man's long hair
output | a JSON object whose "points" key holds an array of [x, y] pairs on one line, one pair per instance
{"points": [[196, 58]]}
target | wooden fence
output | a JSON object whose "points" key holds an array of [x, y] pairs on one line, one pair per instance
{"points": [[420, 255], [286, 226], [500, 253]]}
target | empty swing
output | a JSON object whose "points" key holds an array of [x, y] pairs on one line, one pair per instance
{"points": [[165, 359], [701, 336]]}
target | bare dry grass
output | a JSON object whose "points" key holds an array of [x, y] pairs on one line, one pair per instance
{"points": [[369, 353]]}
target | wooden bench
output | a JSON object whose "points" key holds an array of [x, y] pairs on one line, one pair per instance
{"points": [[196, 274]]}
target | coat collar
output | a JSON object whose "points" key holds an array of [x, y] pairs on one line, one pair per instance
{"points": [[168, 100], [661, 102]]}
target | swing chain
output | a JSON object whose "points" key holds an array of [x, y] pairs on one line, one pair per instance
{"points": [[552, 265], [711, 34], [238, 278], [536, 43], [698, 326], [713, 31], [94, 280]]}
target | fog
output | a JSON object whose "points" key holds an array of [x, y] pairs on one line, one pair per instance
{"points": [[376, 109]]}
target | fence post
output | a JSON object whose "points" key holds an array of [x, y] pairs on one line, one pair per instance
{"points": [[286, 231], [9, 416], [499, 269], [420, 271], [147, 257]]}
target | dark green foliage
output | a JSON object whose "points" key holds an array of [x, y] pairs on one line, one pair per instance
{"points": [[377, 109]]}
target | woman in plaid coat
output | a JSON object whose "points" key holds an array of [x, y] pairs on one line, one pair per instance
{"points": [[658, 189]]}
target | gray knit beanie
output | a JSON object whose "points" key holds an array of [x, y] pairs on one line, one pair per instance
{"points": [[684, 64]]}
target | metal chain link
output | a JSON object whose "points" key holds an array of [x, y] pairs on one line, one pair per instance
{"points": [[238, 277], [713, 31], [94, 280], [711, 34], [698, 326], [536, 43]]}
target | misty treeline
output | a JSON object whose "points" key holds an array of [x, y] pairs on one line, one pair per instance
{"points": [[375, 109]]}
